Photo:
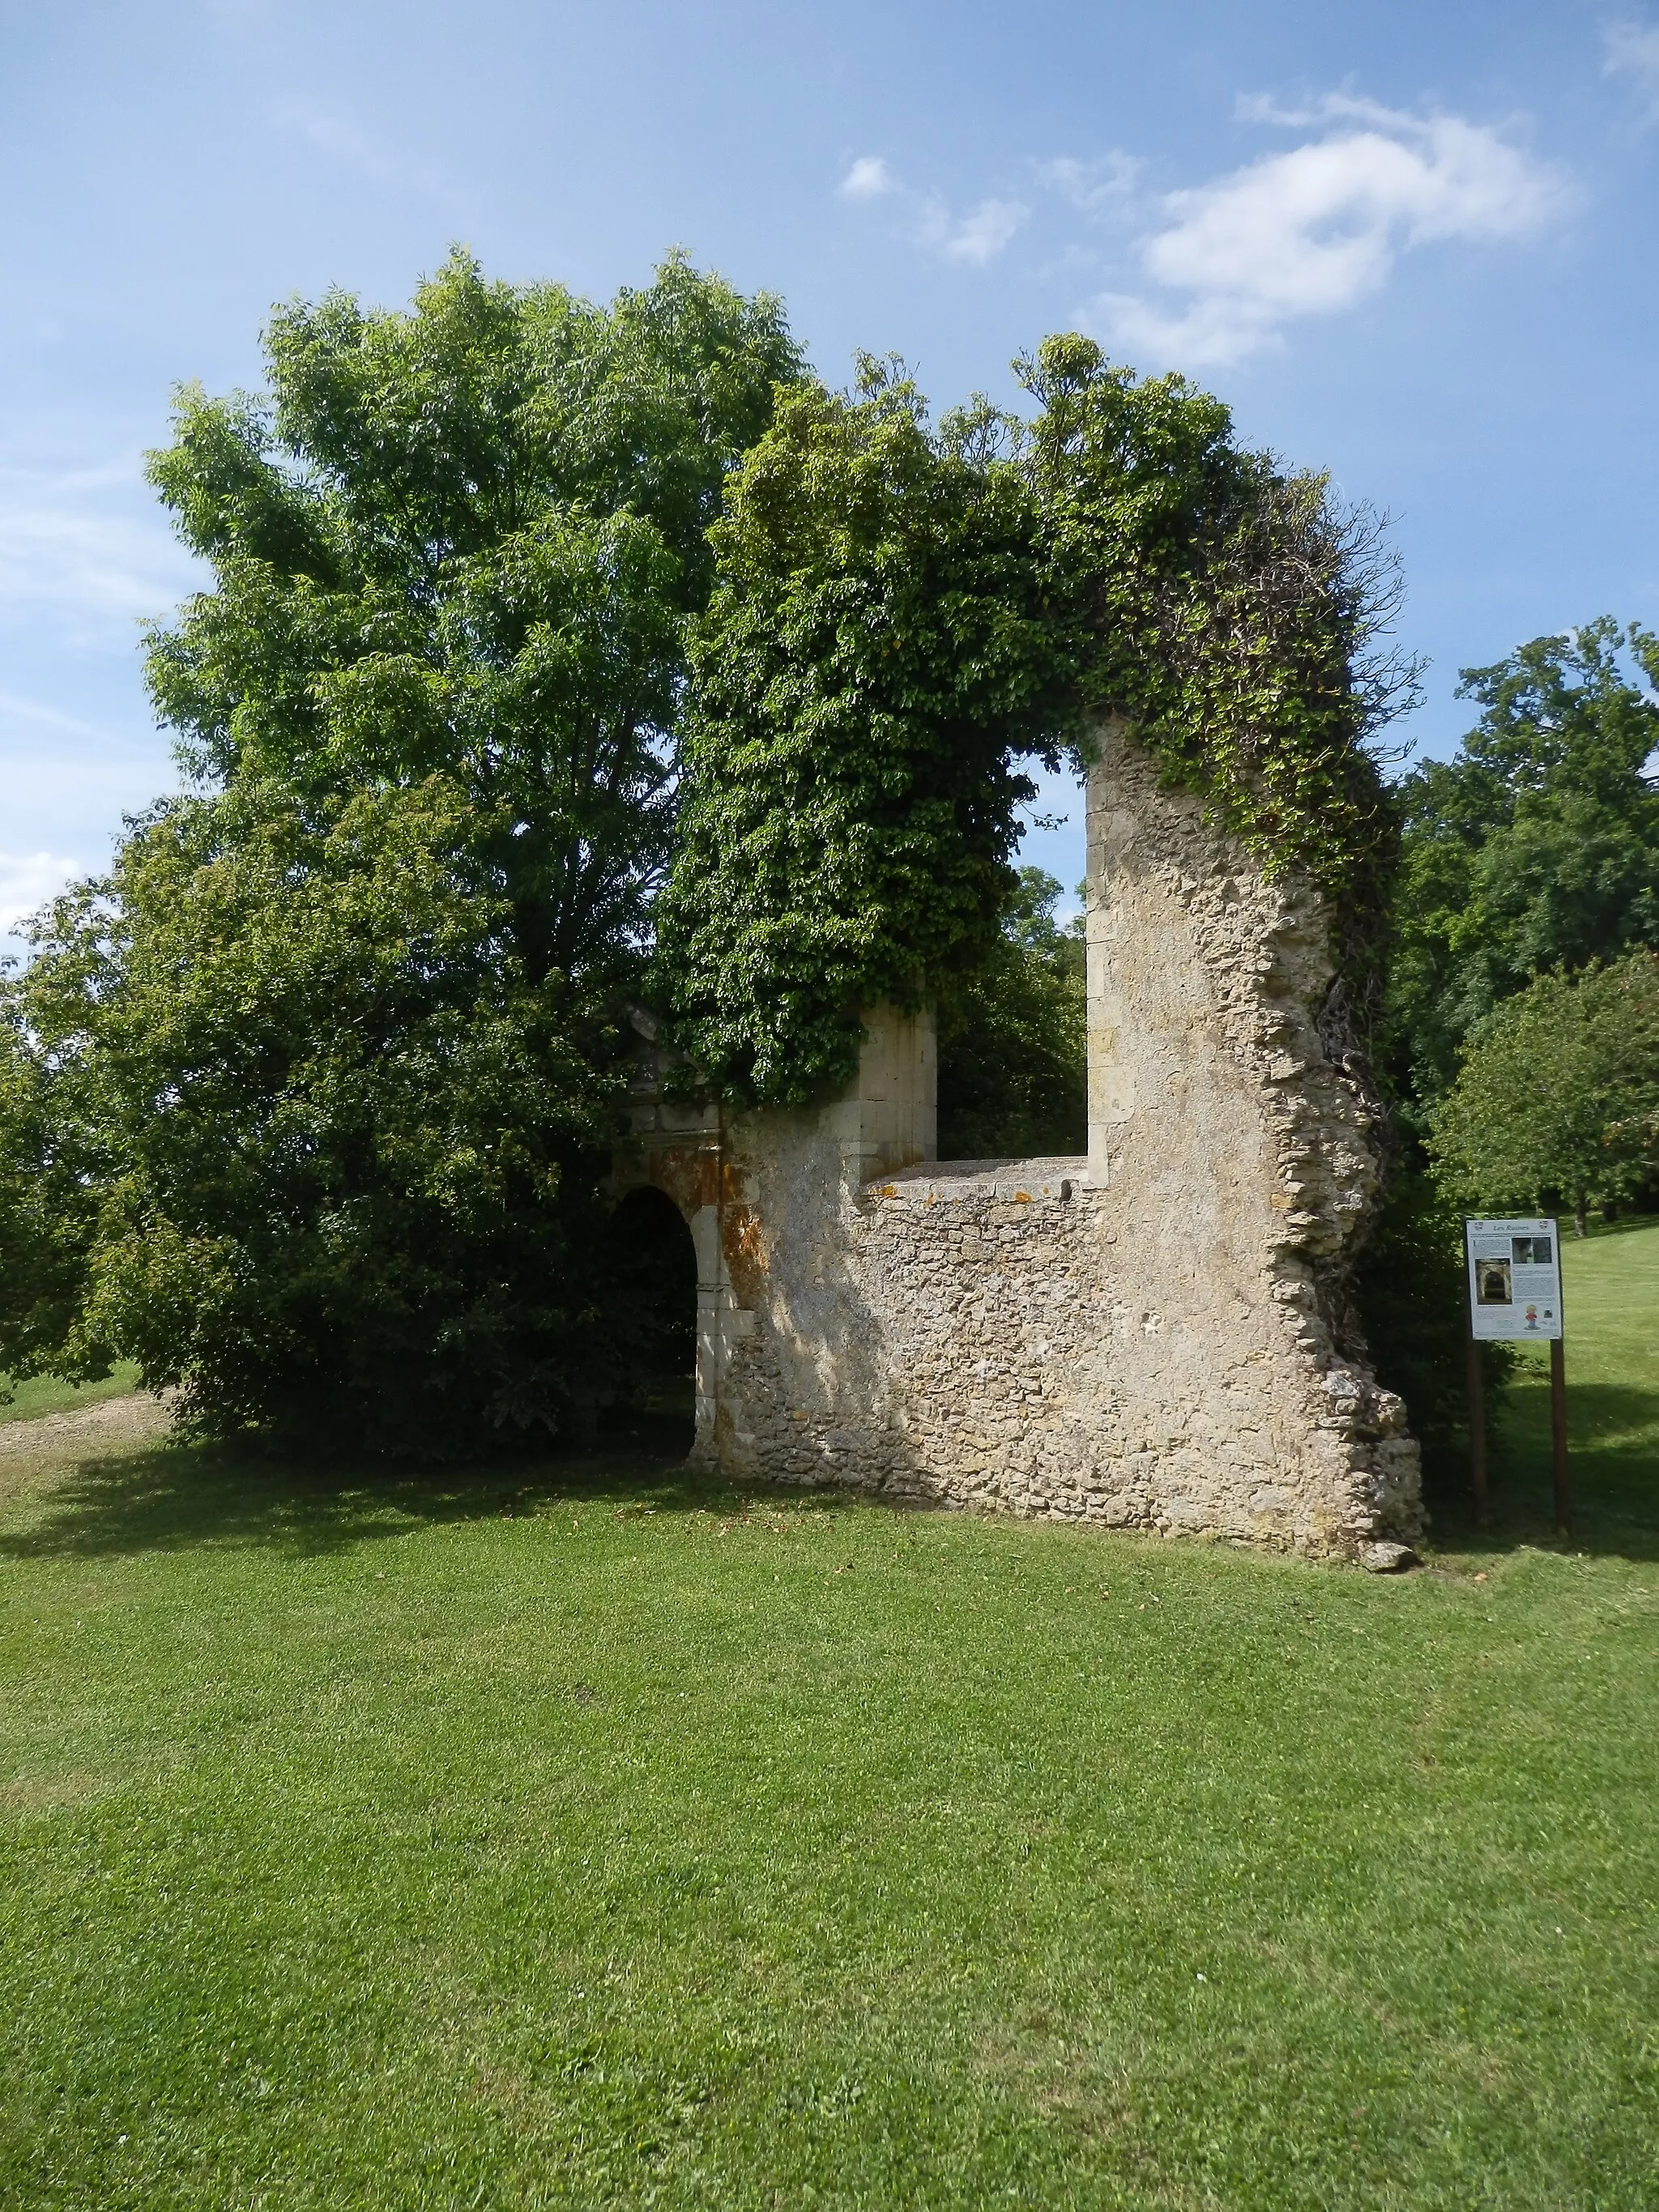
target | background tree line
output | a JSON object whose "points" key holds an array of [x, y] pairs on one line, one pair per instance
{"points": [[1520, 1048]]}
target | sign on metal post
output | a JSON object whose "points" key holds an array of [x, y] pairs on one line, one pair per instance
{"points": [[1514, 1293]]}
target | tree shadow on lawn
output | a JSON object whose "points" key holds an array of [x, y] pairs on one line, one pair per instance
{"points": [[181, 1495], [1612, 1471], [184, 1496]]}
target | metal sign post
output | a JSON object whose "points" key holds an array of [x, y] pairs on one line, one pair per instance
{"points": [[1515, 1295], [1477, 1428], [1558, 1438]]}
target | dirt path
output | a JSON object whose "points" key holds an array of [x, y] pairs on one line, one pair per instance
{"points": [[52, 1441]]}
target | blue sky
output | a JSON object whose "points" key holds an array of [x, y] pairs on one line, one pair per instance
{"points": [[1415, 245]]}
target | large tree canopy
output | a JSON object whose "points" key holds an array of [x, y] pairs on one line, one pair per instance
{"points": [[1537, 848], [322, 1076], [463, 541]]}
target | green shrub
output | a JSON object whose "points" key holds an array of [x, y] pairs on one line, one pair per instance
{"points": [[1412, 1293], [1557, 1098]]}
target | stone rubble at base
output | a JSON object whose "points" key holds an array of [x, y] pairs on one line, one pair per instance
{"points": [[1158, 1335]]}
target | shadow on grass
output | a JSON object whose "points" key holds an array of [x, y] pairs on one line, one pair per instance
{"points": [[177, 1497], [184, 1496], [1613, 1468]]}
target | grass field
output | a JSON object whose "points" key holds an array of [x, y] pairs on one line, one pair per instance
{"points": [[585, 1838]]}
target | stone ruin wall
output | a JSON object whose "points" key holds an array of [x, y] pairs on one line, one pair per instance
{"points": [[1154, 1336]]}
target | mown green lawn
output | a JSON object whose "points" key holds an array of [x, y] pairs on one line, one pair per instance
{"points": [[584, 1838]]}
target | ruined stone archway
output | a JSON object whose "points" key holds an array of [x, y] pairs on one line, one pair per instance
{"points": [[1151, 1335]]}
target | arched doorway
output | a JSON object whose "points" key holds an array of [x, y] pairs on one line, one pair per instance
{"points": [[654, 1269]]}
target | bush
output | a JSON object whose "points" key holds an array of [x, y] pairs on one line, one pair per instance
{"points": [[1412, 1294], [1557, 1094], [339, 1151]]}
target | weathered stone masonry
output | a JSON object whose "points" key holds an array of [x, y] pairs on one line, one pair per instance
{"points": [[1154, 1336]]}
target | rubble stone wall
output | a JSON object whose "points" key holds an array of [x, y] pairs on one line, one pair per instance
{"points": [[1155, 1335]]}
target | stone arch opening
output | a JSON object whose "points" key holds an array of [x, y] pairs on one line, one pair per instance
{"points": [[1140, 1336], [653, 1268], [1013, 1037]]}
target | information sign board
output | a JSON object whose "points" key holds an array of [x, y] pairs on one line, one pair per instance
{"points": [[1515, 1278]]}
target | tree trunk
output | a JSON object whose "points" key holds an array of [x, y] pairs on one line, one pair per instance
{"points": [[1578, 1209]]}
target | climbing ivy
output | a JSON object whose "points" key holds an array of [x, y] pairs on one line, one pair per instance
{"points": [[901, 616], [877, 656], [1226, 610]]}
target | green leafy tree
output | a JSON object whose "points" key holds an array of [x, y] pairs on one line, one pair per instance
{"points": [[1014, 1037], [1537, 848], [1557, 1094], [335, 1131], [463, 541], [330, 1058], [47, 1205]]}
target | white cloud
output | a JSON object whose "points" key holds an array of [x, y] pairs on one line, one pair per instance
{"points": [[26, 881], [973, 240], [1317, 229], [1632, 50], [1102, 186], [869, 179]]}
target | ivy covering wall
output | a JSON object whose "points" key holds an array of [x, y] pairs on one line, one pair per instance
{"points": [[902, 616], [877, 655]]}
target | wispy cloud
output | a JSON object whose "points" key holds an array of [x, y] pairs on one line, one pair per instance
{"points": [[1319, 228], [1632, 50], [975, 238], [57, 767], [86, 549], [69, 779], [1105, 185], [33, 715], [971, 240], [373, 156], [26, 881]]}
